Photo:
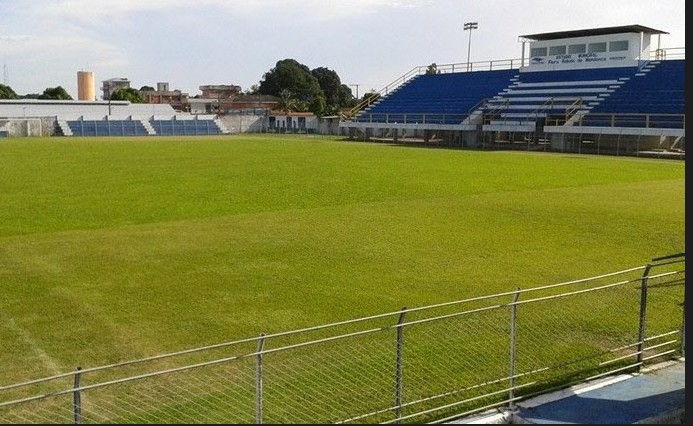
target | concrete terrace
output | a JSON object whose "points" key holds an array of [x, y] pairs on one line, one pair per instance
{"points": [[654, 396]]}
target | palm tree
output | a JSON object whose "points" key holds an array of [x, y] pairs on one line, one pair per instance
{"points": [[287, 102]]}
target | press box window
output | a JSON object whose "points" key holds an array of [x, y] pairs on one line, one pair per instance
{"points": [[596, 47], [557, 50], [577, 48], [537, 51], [618, 46]]}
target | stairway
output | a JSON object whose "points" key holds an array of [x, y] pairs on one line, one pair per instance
{"points": [[222, 128], [148, 127], [64, 128], [558, 99]]}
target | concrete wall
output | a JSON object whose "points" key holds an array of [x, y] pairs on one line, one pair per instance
{"points": [[39, 118], [328, 126], [258, 123], [245, 123], [569, 61], [23, 127], [282, 122], [73, 110]]}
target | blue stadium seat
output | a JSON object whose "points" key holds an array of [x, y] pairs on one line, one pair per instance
{"points": [[654, 97], [437, 98], [650, 96], [107, 128], [194, 127]]}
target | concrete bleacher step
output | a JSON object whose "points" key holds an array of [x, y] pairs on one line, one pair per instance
{"points": [[654, 396], [65, 128], [148, 127], [222, 128]]}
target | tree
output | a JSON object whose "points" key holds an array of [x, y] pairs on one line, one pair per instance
{"points": [[147, 89], [346, 97], [127, 94], [287, 101], [331, 87], [55, 93], [6, 92], [293, 76], [254, 90]]}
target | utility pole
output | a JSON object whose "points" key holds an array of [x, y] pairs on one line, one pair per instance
{"points": [[357, 89], [470, 26]]}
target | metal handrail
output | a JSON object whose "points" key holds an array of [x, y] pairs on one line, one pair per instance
{"points": [[440, 69]]}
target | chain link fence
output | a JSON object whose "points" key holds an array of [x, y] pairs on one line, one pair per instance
{"points": [[430, 364]]}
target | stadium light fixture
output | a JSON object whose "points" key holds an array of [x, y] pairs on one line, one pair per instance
{"points": [[470, 26]]}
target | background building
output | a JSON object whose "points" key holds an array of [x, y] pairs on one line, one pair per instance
{"points": [[220, 91], [114, 84], [163, 95]]}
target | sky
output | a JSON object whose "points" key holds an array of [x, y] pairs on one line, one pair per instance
{"points": [[368, 43]]}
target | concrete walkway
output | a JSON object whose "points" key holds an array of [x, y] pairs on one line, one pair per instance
{"points": [[654, 396]]}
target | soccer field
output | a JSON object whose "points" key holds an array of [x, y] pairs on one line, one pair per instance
{"points": [[120, 248]]}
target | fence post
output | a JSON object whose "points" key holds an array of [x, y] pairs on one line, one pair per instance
{"points": [[513, 349], [643, 312], [258, 379], [683, 326], [77, 398], [399, 365]]}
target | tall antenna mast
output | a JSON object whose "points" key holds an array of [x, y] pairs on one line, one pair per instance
{"points": [[5, 74]]}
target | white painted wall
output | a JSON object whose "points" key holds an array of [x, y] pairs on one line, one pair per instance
{"points": [[638, 49]]}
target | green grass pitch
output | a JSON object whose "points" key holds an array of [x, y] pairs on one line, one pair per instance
{"points": [[120, 248]]}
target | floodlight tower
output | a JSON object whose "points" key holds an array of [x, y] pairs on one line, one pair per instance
{"points": [[470, 26]]}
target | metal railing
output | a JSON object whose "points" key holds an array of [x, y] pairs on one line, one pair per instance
{"points": [[440, 69], [427, 364], [414, 118], [600, 120], [636, 120]]}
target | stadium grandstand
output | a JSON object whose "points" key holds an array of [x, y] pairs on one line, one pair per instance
{"points": [[609, 90], [33, 117], [600, 90]]}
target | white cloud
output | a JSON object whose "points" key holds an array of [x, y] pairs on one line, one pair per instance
{"points": [[108, 10], [194, 42], [14, 38]]}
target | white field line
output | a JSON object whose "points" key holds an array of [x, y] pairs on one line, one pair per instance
{"points": [[46, 359]]}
